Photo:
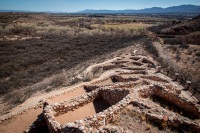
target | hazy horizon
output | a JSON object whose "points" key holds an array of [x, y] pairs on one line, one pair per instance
{"points": [[79, 5]]}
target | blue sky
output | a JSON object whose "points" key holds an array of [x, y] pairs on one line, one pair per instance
{"points": [[78, 5]]}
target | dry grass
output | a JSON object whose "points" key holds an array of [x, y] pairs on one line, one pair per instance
{"points": [[49, 56], [192, 38], [55, 46], [131, 26]]}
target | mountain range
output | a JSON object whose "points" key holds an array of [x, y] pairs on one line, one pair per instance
{"points": [[174, 9]]}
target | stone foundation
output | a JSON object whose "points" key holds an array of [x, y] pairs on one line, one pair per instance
{"points": [[153, 113], [179, 101], [117, 98], [135, 81]]}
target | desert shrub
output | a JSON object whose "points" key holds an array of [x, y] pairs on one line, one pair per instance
{"points": [[10, 17], [23, 29], [148, 45], [193, 38], [85, 33], [173, 48], [124, 31], [96, 32], [55, 30], [184, 46], [172, 68], [103, 31], [16, 30], [172, 41], [31, 63], [18, 97], [44, 24], [32, 29], [4, 30], [178, 57]]}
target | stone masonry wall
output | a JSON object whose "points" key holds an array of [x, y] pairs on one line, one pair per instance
{"points": [[112, 96], [177, 100]]}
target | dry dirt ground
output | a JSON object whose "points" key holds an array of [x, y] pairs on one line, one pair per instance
{"points": [[131, 121]]}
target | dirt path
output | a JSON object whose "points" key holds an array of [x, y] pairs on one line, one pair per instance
{"points": [[68, 95], [21, 122]]}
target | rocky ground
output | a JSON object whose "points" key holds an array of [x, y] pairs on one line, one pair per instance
{"points": [[155, 102]]}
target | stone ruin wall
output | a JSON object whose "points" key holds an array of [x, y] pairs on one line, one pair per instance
{"points": [[172, 97], [119, 100], [176, 99], [172, 120], [168, 118], [115, 97], [160, 88]]}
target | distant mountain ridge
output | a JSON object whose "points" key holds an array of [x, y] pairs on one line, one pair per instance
{"points": [[180, 9], [173, 9], [1, 10]]}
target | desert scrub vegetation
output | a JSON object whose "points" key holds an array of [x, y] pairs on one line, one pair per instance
{"points": [[56, 30], [192, 38], [10, 17], [83, 21], [150, 48], [65, 25], [23, 29], [130, 26], [25, 63], [33, 65]]}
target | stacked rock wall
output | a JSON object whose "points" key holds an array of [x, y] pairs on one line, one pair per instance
{"points": [[140, 82], [118, 98], [176, 99], [151, 113], [113, 96]]}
